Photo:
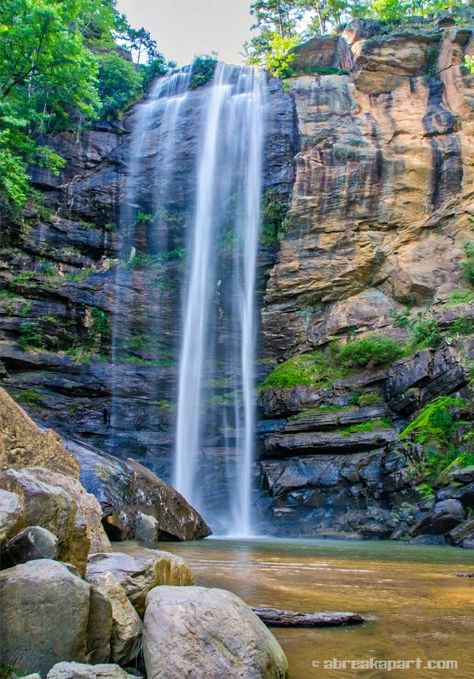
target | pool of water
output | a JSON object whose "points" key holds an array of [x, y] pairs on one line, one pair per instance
{"points": [[417, 608]]}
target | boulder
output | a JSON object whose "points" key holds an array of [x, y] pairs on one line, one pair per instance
{"points": [[11, 508], [125, 640], [463, 475], [76, 670], [463, 534], [463, 493], [445, 515], [44, 617], [141, 573], [61, 505], [127, 490], [146, 529], [99, 626], [24, 444], [30, 544], [219, 636]]}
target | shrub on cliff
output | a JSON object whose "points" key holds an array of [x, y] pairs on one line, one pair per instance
{"points": [[373, 351]]}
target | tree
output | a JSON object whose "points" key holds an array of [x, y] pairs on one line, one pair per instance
{"points": [[273, 18], [119, 83], [324, 13], [60, 66], [279, 59]]}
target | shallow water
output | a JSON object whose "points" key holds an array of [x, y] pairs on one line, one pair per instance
{"points": [[415, 605]]}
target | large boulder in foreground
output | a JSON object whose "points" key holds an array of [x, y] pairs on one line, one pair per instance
{"points": [[24, 444], [44, 615], [219, 636], [138, 574], [127, 491], [61, 505]]}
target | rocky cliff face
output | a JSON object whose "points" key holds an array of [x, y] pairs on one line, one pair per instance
{"points": [[382, 199], [381, 210], [371, 147]]}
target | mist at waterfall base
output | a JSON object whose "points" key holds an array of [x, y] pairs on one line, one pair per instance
{"points": [[192, 213]]}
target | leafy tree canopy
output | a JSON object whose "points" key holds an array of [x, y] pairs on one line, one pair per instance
{"points": [[61, 66], [300, 19]]}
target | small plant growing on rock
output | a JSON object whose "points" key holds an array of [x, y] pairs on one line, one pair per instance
{"points": [[468, 264], [426, 333], [203, 70], [274, 219], [375, 351]]}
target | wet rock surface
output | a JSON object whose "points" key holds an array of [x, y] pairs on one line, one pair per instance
{"points": [[128, 491]]}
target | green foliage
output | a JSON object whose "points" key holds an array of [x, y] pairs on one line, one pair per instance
{"points": [[30, 398], [273, 219], [435, 422], [31, 336], [369, 425], [461, 326], [143, 260], [468, 264], [431, 62], [311, 368], [11, 672], [98, 325], [401, 319], [279, 58], [373, 350], [434, 428], [469, 63], [436, 463], [301, 19], [370, 398], [327, 70], [119, 84], [426, 333], [460, 297], [57, 59], [203, 69]]}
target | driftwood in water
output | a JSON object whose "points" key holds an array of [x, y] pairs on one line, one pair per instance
{"points": [[277, 618]]}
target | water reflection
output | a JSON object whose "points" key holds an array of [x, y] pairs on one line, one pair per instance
{"points": [[415, 604]]}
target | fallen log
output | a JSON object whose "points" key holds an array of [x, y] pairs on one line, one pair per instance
{"points": [[277, 618]]}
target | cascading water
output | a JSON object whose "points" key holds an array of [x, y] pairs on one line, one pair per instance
{"points": [[219, 316], [190, 226]]}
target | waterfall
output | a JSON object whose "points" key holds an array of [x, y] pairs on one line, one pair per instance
{"points": [[219, 313], [190, 220]]}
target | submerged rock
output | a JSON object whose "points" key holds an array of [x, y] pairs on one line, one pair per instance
{"points": [[219, 636], [275, 617], [127, 490]]}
